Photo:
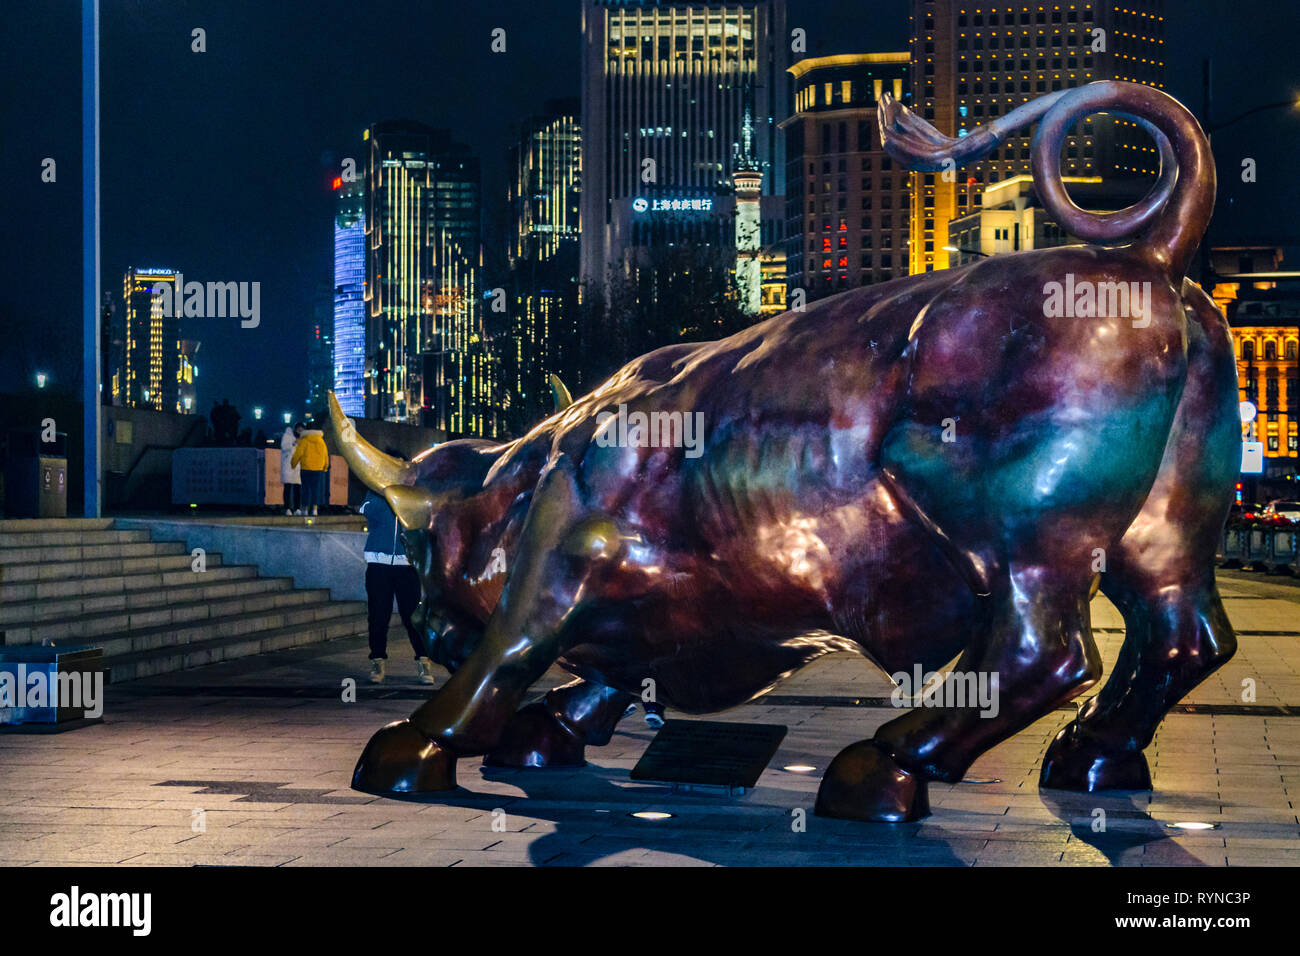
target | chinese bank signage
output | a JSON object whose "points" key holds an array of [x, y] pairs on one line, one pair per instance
{"points": [[643, 205]]}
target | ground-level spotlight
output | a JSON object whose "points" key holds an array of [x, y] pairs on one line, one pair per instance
{"points": [[1191, 825], [651, 815], [799, 768]]}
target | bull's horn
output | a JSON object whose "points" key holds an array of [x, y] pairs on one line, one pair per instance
{"points": [[371, 465], [562, 397], [413, 506]]}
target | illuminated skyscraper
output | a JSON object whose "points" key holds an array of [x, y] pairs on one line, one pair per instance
{"points": [[544, 198], [349, 296], [422, 197], [973, 61], [151, 372], [846, 203], [546, 185], [664, 91]]}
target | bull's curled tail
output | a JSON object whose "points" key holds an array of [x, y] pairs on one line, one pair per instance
{"points": [[1166, 225]]}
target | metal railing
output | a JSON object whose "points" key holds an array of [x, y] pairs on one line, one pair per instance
{"points": [[1266, 547]]}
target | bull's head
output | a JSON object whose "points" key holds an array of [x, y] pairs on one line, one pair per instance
{"points": [[437, 486]]}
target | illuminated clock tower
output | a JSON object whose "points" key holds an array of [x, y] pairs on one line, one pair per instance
{"points": [[748, 183]]}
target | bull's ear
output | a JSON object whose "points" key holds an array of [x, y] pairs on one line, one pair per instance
{"points": [[561, 394], [413, 506]]}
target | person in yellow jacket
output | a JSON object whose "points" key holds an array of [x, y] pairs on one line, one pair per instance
{"points": [[313, 460]]}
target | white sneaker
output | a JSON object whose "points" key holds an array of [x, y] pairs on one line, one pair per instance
{"points": [[287, 511], [298, 512], [378, 670], [424, 670]]}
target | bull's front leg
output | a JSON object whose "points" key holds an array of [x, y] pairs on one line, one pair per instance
{"points": [[555, 732], [525, 635], [1038, 644]]}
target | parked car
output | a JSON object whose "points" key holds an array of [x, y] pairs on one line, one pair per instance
{"points": [[1281, 508]]}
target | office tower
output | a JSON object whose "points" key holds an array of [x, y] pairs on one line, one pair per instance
{"points": [[349, 338], [150, 373], [546, 183], [422, 197], [664, 91], [543, 199], [974, 61], [320, 350], [187, 389], [460, 370], [846, 200]]}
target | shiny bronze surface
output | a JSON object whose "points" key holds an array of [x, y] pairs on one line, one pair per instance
{"points": [[931, 467]]}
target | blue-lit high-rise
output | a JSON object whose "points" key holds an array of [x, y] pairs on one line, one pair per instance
{"points": [[349, 297]]}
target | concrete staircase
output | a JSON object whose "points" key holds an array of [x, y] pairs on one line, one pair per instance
{"points": [[75, 580]]}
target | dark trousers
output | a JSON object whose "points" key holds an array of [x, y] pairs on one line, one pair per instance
{"points": [[293, 496], [384, 582], [313, 487]]}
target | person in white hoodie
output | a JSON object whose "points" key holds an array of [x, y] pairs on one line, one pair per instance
{"points": [[290, 476]]}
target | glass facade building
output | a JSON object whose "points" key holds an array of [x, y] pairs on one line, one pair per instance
{"points": [[974, 61], [665, 87], [151, 371], [349, 297]]}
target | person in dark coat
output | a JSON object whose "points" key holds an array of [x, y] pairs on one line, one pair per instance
{"points": [[389, 577]]}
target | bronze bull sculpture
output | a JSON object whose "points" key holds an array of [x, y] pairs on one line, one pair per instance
{"points": [[945, 464]]}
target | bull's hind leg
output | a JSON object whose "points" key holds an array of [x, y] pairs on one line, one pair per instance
{"points": [[1035, 643], [1177, 634], [554, 732], [1162, 578], [524, 636]]}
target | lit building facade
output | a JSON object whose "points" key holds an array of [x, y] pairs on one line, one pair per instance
{"points": [[545, 188], [974, 61], [349, 338], [320, 351], [422, 215], [544, 200], [150, 374], [1266, 334], [1008, 216], [747, 184], [847, 203], [665, 87]]}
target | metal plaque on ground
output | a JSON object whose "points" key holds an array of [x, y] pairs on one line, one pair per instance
{"points": [[709, 753]]}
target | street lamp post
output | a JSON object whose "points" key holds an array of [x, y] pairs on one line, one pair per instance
{"points": [[90, 345], [1210, 128]]}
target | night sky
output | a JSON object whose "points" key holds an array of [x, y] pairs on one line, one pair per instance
{"points": [[219, 163]]}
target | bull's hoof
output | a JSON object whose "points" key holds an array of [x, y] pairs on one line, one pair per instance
{"points": [[864, 783], [400, 759], [534, 738], [1076, 761]]}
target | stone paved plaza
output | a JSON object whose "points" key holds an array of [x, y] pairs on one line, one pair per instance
{"points": [[248, 763]]}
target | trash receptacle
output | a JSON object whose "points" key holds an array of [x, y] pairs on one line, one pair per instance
{"points": [[36, 476]]}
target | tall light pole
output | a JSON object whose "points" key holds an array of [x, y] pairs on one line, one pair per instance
{"points": [[1210, 128], [90, 298]]}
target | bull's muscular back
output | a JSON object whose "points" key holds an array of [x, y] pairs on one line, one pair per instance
{"points": [[802, 412]]}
